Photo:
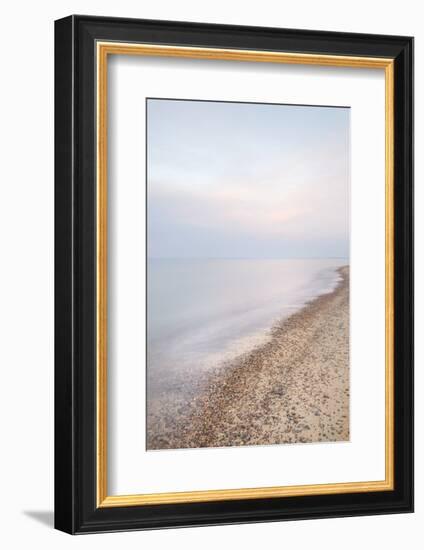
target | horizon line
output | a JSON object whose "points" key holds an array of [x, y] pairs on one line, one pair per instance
{"points": [[248, 258]]}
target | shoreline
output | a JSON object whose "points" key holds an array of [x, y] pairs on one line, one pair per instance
{"points": [[292, 389]]}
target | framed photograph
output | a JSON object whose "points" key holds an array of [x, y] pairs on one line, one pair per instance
{"points": [[234, 274]]}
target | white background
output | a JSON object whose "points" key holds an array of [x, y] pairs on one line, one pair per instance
{"points": [[26, 290], [131, 468]]}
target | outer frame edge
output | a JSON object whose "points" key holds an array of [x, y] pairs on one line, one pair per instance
{"points": [[64, 449]]}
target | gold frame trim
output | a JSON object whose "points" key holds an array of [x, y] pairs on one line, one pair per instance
{"points": [[119, 48]]}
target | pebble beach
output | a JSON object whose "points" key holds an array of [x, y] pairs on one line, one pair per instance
{"points": [[292, 389]]}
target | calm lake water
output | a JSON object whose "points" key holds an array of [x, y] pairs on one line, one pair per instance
{"points": [[203, 312]]}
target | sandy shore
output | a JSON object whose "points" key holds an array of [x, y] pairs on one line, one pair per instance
{"points": [[293, 389]]}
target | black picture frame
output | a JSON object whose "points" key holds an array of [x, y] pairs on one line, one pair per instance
{"points": [[76, 509]]}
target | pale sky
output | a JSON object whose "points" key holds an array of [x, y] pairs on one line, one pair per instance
{"points": [[243, 180]]}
